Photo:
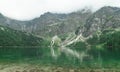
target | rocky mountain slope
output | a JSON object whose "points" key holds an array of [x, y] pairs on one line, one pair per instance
{"points": [[49, 24], [103, 19]]}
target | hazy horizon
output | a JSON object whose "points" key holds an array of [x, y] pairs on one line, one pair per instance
{"points": [[29, 9]]}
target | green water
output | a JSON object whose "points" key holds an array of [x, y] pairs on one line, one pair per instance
{"points": [[43, 56]]}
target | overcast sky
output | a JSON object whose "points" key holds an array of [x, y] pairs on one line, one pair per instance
{"points": [[28, 9]]}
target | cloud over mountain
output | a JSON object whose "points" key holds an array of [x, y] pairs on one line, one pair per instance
{"points": [[28, 9]]}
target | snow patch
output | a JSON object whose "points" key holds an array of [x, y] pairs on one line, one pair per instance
{"points": [[2, 28]]}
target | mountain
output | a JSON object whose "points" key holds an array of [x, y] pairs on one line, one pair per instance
{"points": [[57, 24], [103, 19], [10, 37], [49, 24], [84, 21]]}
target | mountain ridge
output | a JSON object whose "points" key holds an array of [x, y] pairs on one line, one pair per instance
{"points": [[43, 24], [51, 24]]}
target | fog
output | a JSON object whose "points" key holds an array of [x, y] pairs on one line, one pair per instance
{"points": [[29, 9]]}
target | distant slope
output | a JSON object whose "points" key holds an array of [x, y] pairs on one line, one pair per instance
{"points": [[10, 37]]}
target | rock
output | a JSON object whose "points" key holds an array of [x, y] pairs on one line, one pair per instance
{"points": [[24, 70], [17, 71], [92, 70], [71, 70]]}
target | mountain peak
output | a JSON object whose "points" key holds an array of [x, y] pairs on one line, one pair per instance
{"points": [[109, 9]]}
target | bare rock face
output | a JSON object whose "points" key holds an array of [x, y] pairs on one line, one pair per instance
{"points": [[104, 18]]}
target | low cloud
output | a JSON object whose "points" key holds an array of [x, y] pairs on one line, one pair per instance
{"points": [[28, 9]]}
